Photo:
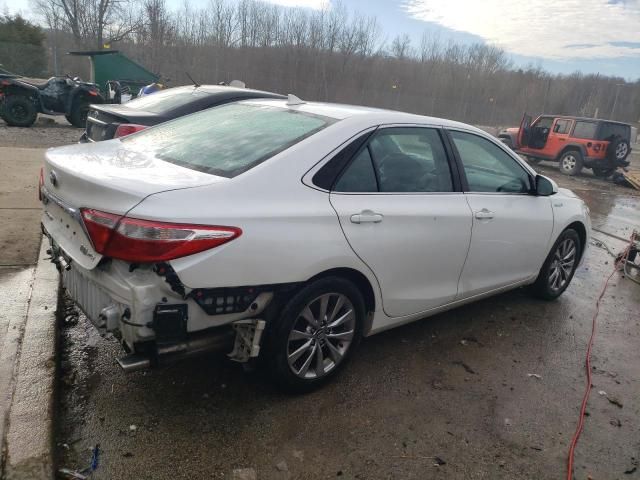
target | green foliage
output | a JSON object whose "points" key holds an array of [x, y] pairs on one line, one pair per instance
{"points": [[16, 29], [21, 49]]}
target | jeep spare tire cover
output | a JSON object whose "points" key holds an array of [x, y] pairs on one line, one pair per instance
{"points": [[618, 148]]}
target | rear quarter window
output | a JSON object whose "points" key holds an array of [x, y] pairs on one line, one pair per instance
{"points": [[227, 140], [585, 130], [609, 130]]}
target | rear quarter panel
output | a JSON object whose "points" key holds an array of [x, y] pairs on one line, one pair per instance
{"points": [[290, 232]]}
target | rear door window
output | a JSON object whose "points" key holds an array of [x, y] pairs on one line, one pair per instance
{"points": [[399, 160], [562, 126], [585, 130], [227, 140], [410, 160]]}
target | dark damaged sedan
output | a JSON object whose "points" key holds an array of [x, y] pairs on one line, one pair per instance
{"points": [[105, 122]]}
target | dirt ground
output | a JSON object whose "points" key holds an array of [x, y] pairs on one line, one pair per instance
{"points": [[451, 397]]}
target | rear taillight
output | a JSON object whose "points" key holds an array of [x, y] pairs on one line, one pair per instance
{"points": [[40, 183], [146, 241], [125, 129]]}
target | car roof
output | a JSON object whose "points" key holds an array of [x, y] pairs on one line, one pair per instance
{"points": [[584, 119], [340, 111]]}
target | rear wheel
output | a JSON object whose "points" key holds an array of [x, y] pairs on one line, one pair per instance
{"points": [[571, 163], [317, 332], [19, 111], [79, 112], [603, 172], [558, 269]]}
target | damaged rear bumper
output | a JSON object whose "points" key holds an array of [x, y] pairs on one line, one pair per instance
{"points": [[156, 318]]}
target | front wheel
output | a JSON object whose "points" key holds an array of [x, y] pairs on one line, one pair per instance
{"points": [[317, 332], [558, 269], [571, 163]]}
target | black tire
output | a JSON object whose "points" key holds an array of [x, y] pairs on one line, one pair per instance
{"points": [[571, 163], [282, 347], [19, 111], [603, 172], [79, 112], [545, 286]]}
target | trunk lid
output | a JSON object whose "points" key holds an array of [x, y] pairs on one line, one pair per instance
{"points": [[107, 177], [102, 121]]}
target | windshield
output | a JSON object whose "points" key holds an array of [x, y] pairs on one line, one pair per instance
{"points": [[227, 140], [161, 102]]}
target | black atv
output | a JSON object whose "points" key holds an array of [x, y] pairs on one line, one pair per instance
{"points": [[21, 99]]}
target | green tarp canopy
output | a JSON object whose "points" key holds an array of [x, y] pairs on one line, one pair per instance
{"points": [[109, 65]]}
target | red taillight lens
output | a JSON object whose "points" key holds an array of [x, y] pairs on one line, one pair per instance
{"points": [[146, 241], [93, 93], [127, 129], [40, 183]]}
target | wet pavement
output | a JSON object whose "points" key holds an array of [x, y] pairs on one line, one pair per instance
{"points": [[490, 390]]}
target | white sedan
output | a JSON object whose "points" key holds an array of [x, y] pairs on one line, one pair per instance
{"points": [[290, 230]]}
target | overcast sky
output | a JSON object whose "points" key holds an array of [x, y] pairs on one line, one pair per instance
{"points": [[587, 35]]}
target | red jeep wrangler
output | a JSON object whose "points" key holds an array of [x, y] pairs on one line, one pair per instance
{"points": [[575, 142]]}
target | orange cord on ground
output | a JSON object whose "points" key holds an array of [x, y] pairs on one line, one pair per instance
{"points": [[585, 398]]}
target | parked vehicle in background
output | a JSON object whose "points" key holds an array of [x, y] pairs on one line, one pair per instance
{"points": [[574, 142], [21, 99], [294, 229], [105, 122]]}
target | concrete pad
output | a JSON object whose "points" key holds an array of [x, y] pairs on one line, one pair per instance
{"points": [[20, 237], [19, 205], [15, 293], [19, 171], [29, 438]]}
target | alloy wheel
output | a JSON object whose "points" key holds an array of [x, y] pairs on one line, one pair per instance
{"points": [[569, 162], [562, 265], [321, 336]]}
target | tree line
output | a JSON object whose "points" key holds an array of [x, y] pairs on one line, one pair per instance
{"points": [[331, 54]]}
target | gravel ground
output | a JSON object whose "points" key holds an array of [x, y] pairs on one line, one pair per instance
{"points": [[48, 131]]}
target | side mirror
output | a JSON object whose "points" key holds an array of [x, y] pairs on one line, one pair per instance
{"points": [[545, 186]]}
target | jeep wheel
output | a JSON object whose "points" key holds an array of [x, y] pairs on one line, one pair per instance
{"points": [[603, 172], [571, 163], [19, 111]]}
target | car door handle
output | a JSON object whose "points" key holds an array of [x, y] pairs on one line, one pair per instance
{"points": [[484, 214], [562, 139], [366, 216]]}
